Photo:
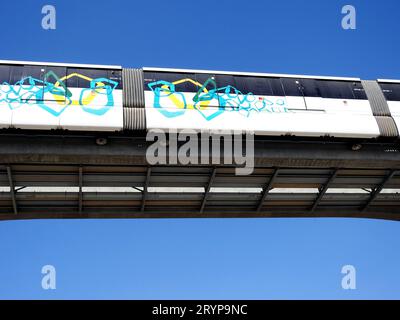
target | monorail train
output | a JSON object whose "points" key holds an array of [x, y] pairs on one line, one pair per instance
{"points": [[112, 98]]}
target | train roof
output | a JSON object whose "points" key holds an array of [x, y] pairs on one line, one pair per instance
{"points": [[158, 69], [32, 63], [251, 74], [388, 80]]}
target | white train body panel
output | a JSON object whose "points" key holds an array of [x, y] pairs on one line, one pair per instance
{"points": [[279, 116], [96, 115]]}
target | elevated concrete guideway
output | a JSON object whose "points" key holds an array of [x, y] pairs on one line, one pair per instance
{"points": [[56, 175]]}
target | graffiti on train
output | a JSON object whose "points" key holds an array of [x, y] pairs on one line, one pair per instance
{"points": [[211, 101], [52, 94]]}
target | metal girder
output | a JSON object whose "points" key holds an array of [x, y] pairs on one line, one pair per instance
{"points": [[207, 189], [128, 150], [267, 188], [80, 189], [12, 190], [145, 187], [378, 189], [323, 190], [51, 160], [126, 203]]}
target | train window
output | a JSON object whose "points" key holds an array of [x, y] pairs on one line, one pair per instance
{"points": [[391, 91], [335, 89], [183, 81], [358, 91], [81, 77], [4, 74], [207, 80], [255, 85], [72, 80], [116, 75], [148, 77], [33, 75], [16, 74], [224, 81], [309, 88], [94, 73], [291, 87], [301, 87], [226, 84], [52, 75], [276, 85]]}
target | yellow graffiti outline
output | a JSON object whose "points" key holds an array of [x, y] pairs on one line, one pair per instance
{"points": [[178, 103], [85, 101]]}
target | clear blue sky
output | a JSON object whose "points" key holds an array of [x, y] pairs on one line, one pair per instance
{"points": [[190, 259]]}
